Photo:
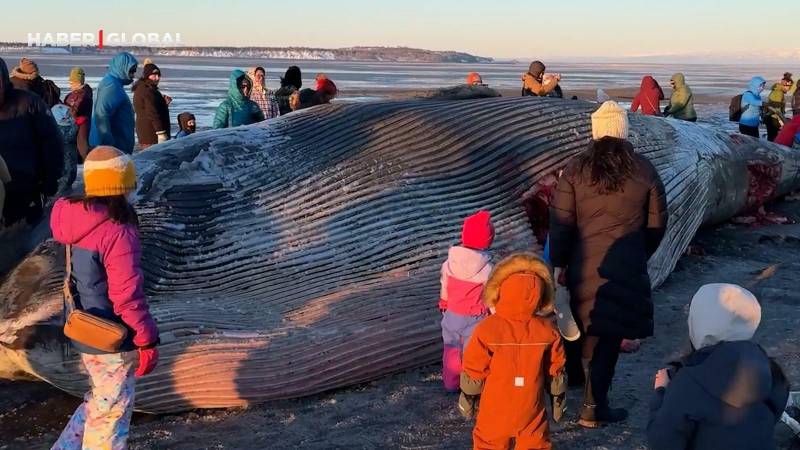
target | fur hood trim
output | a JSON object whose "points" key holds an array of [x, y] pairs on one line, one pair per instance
{"points": [[521, 263]]}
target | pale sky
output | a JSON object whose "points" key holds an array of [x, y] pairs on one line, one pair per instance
{"points": [[500, 28]]}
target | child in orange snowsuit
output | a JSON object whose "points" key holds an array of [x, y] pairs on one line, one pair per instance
{"points": [[511, 357]]}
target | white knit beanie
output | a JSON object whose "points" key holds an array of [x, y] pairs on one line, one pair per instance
{"points": [[722, 312], [610, 120]]}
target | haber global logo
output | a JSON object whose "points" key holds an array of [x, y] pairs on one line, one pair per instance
{"points": [[102, 38]]}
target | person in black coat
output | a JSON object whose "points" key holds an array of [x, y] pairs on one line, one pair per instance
{"points": [[606, 220], [291, 83], [32, 147], [151, 107], [727, 394]]}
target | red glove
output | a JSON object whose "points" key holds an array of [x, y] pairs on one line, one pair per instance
{"points": [[442, 305], [148, 358]]}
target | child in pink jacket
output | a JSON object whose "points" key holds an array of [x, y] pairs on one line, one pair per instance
{"points": [[463, 275], [102, 229]]}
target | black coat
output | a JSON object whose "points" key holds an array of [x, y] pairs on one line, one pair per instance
{"points": [[605, 240], [35, 85], [282, 95], [30, 142], [47, 90], [152, 112], [725, 397]]}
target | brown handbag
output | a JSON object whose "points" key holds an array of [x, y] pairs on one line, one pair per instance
{"points": [[88, 329]]}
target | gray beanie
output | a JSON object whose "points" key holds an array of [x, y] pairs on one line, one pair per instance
{"points": [[722, 312]]}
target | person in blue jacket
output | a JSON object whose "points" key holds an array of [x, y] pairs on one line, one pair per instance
{"points": [[238, 109], [751, 107], [112, 118]]}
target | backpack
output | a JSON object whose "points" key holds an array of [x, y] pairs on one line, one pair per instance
{"points": [[735, 110]]}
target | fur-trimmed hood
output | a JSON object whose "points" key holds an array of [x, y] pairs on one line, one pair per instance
{"points": [[520, 263], [18, 73]]}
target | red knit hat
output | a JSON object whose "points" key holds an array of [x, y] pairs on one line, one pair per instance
{"points": [[478, 232], [474, 78], [327, 87]]}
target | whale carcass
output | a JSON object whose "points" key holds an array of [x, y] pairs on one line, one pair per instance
{"points": [[289, 258]]}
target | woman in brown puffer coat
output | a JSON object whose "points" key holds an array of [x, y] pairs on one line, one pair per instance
{"points": [[152, 108], [608, 217]]}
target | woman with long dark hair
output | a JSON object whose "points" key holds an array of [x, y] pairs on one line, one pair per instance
{"points": [[100, 230], [608, 217]]}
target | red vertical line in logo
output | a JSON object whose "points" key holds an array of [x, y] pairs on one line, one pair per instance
{"points": [[100, 33]]}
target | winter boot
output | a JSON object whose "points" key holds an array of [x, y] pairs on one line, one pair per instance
{"points": [[451, 368], [594, 415]]}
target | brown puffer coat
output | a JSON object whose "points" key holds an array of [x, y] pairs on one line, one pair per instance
{"points": [[605, 241], [152, 112]]}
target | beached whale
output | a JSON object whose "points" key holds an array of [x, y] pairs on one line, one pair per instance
{"points": [[292, 257]]}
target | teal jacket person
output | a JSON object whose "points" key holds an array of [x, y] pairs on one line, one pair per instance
{"points": [[112, 115], [238, 109]]}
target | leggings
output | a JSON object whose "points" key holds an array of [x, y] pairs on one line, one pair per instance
{"points": [[103, 420]]}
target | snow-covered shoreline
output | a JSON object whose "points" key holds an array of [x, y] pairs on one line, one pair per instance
{"points": [[376, 54]]}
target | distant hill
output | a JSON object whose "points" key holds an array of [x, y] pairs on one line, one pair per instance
{"points": [[388, 54]]}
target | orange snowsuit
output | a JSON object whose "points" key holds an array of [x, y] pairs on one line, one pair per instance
{"points": [[514, 353]]}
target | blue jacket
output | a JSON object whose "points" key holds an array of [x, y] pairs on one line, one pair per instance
{"points": [[751, 103], [112, 117]]}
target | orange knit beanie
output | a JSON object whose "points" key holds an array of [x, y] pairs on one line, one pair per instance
{"points": [[107, 172]]}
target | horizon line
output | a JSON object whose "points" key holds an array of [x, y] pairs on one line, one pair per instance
{"points": [[742, 58]]}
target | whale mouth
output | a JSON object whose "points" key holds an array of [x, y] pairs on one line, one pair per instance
{"points": [[763, 185]]}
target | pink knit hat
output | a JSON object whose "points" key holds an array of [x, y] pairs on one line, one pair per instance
{"points": [[478, 232]]}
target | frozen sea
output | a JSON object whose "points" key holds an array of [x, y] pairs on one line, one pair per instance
{"points": [[199, 84]]}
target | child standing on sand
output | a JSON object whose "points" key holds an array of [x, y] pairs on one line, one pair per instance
{"points": [[100, 230], [463, 274], [513, 356]]}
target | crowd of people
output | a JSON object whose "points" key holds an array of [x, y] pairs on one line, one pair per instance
{"points": [[43, 138], [750, 109], [502, 350]]}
